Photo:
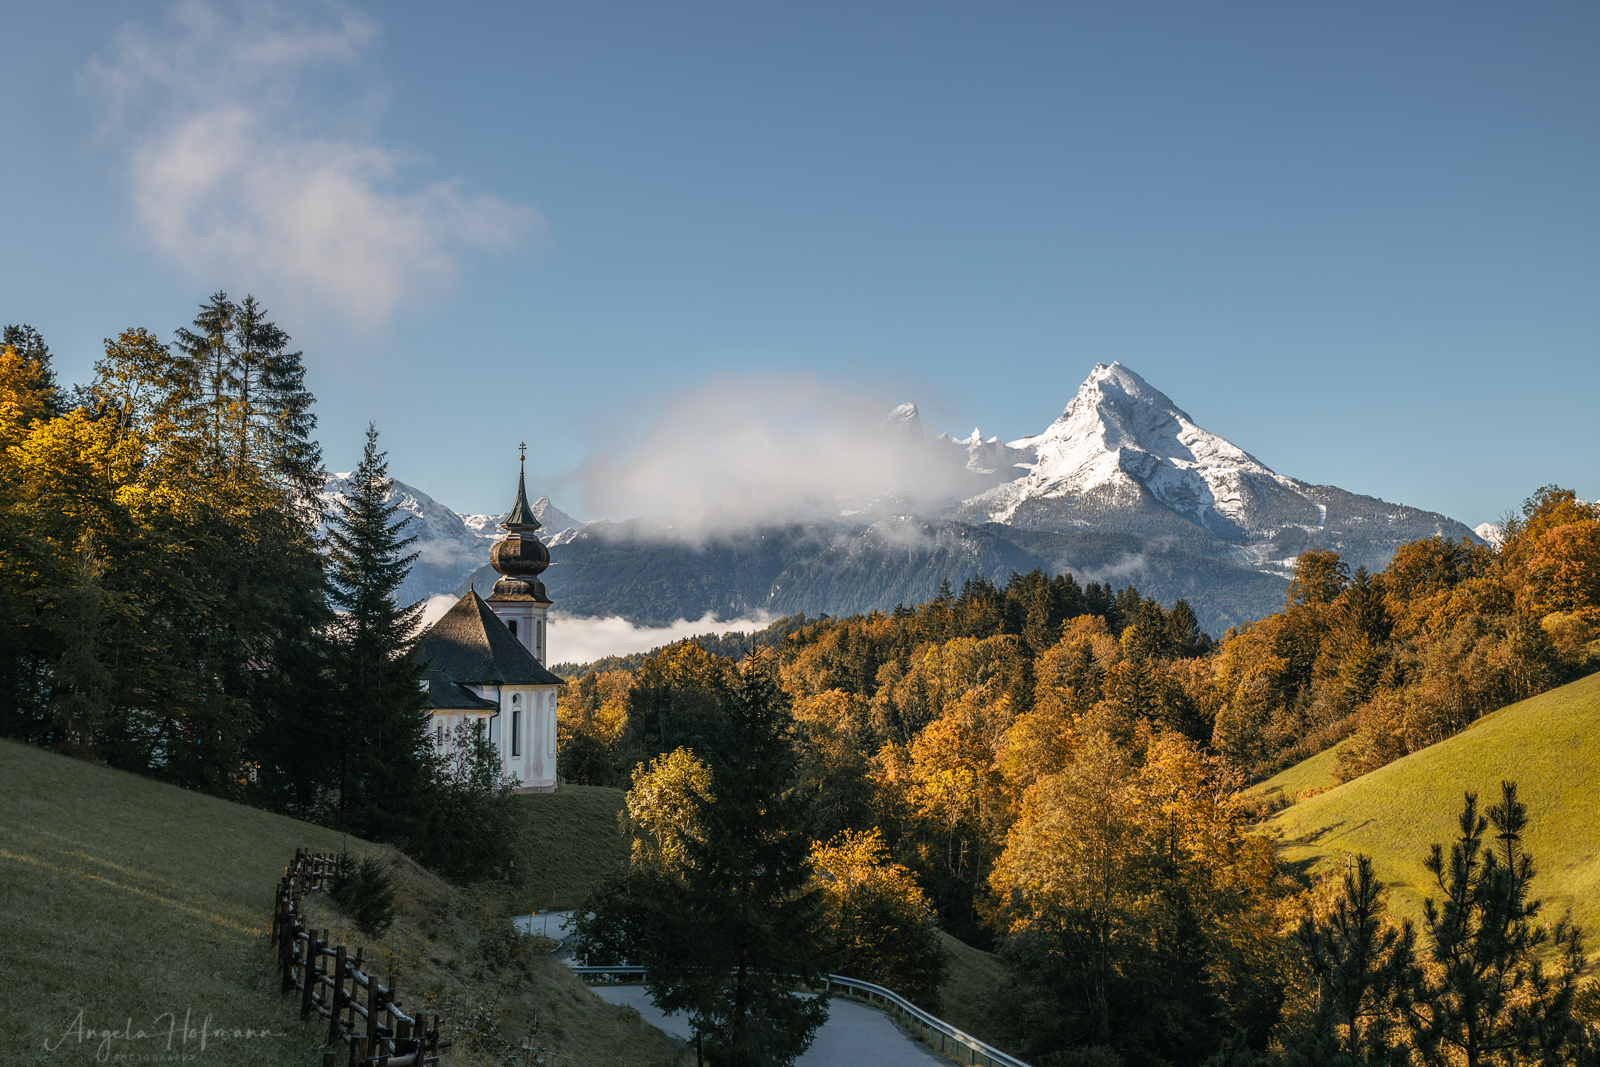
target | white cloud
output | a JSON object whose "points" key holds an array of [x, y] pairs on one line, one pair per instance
{"points": [[579, 639], [235, 174], [434, 609], [741, 452], [576, 639]]}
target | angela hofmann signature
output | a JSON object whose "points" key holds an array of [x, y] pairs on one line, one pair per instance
{"points": [[168, 1039]]}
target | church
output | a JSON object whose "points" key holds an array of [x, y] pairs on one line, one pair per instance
{"points": [[485, 659]]}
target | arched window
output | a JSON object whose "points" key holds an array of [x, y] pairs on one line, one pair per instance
{"points": [[512, 626], [516, 728]]}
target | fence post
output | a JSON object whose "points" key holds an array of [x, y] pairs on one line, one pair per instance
{"points": [[374, 999], [338, 995], [308, 974]]}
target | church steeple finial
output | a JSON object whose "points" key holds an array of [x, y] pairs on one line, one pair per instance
{"points": [[522, 518]]}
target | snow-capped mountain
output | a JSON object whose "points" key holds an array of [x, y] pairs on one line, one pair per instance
{"points": [[1124, 458], [1121, 438], [450, 545], [1123, 488]]}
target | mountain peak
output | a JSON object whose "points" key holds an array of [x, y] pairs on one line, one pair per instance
{"points": [[904, 417], [1121, 438], [1117, 386]]}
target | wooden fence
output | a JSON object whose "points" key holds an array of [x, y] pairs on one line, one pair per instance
{"points": [[333, 983]]}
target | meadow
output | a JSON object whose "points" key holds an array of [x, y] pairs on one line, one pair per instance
{"points": [[137, 906], [1549, 745]]}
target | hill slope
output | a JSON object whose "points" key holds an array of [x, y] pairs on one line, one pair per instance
{"points": [[1549, 745], [127, 899]]}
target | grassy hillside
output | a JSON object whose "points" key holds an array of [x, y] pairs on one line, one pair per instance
{"points": [[973, 997], [127, 899], [1312, 775], [573, 842], [1550, 746]]}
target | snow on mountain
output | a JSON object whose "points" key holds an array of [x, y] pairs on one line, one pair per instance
{"points": [[450, 545], [905, 417], [1123, 486], [991, 456], [1121, 437], [1490, 532], [553, 520]]}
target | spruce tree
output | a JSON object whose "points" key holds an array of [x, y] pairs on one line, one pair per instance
{"points": [[729, 929], [759, 927], [30, 346], [382, 763]]}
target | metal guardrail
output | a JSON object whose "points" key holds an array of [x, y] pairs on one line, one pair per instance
{"points": [[937, 1034]]}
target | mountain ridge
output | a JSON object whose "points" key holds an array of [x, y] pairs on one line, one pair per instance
{"points": [[1122, 486]]}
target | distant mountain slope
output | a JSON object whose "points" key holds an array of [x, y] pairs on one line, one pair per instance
{"points": [[449, 545], [1124, 487], [1549, 745], [628, 569]]}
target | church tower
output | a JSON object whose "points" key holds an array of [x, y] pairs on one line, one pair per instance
{"points": [[519, 598]]}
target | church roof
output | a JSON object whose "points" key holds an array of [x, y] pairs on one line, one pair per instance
{"points": [[522, 516], [444, 694], [471, 646]]}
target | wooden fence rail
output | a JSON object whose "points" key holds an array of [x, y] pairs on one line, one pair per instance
{"points": [[336, 985]]}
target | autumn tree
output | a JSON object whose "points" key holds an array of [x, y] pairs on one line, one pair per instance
{"points": [[882, 924], [1134, 906]]}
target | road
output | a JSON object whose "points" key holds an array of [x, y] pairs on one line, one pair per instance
{"points": [[853, 1034]]}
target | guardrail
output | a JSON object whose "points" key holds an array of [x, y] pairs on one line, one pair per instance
{"points": [[937, 1034]]}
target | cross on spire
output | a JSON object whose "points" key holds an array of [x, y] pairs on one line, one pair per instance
{"points": [[523, 452]]}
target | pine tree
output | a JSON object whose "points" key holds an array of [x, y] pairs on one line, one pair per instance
{"points": [[248, 391], [1490, 999], [383, 766], [760, 928], [1365, 971]]}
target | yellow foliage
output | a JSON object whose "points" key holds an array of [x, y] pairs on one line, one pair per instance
{"points": [[663, 807]]}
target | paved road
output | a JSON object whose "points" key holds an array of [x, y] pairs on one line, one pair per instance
{"points": [[853, 1034], [552, 924]]}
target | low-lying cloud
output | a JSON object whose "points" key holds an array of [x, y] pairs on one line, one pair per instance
{"points": [[580, 639], [733, 453], [234, 174], [577, 639]]}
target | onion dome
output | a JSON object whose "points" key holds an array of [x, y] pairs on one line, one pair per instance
{"points": [[520, 557]]}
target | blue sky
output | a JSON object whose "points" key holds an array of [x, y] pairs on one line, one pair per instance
{"points": [[1360, 240]]}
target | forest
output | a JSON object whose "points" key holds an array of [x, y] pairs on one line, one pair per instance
{"points": [[1054, 771], [1059, 771], [174, 601]]}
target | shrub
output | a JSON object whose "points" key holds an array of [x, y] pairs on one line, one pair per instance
{"points": [[364, 890]]}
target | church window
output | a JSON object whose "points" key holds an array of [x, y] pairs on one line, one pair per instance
{"points": [[516, 731], [438, 731], [512, 626]]}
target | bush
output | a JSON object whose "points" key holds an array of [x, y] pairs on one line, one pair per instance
{"points": [[473, 832], [363, 890]]}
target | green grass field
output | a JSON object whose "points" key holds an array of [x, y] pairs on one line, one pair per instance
{"points": [[129, 902], [573, 842], [1309, 775], [1549, 745]]}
